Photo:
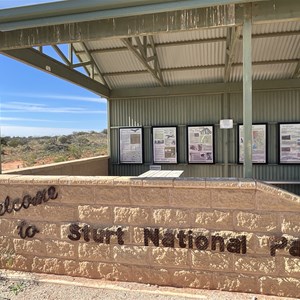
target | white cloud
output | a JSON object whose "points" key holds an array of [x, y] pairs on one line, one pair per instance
{"points": [[36, 131], [57, 97], [32, 120], [41, 108]]}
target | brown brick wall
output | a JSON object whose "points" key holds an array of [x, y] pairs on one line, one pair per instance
{"points": [[201, 226]]}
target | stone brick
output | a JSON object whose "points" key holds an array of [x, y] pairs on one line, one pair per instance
{"points": [[158, 182], [8, 227], [70, 267], [171, 217], [291, 266], [88, 269], [261, 222], [259, 244], [149, 196], [5, 178], [121, 272], [189, 182], [82, 269], [284, 287], [206, 260], [131, 216], [192, 198], [77, 194], [47, 180], [236, 283], [256, 265], [222, 183], [191, 279], [127, 181], [60, 249], [51, 213], [233, 199], [169, 257], [214, 219], [48, 230], [47, 265], [16, 262], [159, 276], [112, 195], [94, 252], [247, 184], [137, 236], [22, 179], [290, 224], [96, 215], [281, 201], [29, 247], [106, 270], [134, 255], [6, 245]]}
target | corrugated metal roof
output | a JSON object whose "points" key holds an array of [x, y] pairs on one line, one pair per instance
{"points": [[135, 81], [276, 27], [192, 55], [193, 76], [190, 35], [118, 62], [195, 49]]}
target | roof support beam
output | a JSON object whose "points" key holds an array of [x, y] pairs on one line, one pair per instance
{"points": [[247, 92], [61, 54], [141, 54], [297, 70], [91, 58], [202, 89], [209, 67], [154, 23], [233, 35], [47, 64]]}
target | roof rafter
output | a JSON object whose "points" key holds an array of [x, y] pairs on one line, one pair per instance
{"points": [[141, 54], [297, 71], [47, 64], [91, 58], [233, 35], [207, 67], [194, 42], [156, 22]]}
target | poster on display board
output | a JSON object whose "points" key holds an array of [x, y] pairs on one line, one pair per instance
{"points": [[289, 143], [164, 145], [131, 145], [259, 143], [200, 144]]}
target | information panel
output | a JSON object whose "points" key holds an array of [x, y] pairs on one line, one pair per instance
{"points": [[201, 144], [259, 143], [289, 143], [165, 145], [131, 145]]}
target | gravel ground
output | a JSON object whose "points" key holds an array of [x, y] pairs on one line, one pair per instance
{"points": [[26, 286]]}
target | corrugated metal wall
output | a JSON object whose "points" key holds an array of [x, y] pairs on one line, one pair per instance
{"points": [[268, 107]]}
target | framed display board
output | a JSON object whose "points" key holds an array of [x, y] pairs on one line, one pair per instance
{"points": [[200, 144], [164, 145], [259, 143], [289, 143], [131, 145]]}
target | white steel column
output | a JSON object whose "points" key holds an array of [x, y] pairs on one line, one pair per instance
{"points": [[247, 91]]}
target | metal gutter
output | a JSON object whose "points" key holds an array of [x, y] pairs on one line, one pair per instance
{"points": [[78, 11]]}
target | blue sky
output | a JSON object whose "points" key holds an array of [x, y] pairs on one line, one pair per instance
{"points": [[34, 103]]}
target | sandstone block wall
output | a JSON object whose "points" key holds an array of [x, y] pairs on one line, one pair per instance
{"points": [[95, 166], [203, 233]]}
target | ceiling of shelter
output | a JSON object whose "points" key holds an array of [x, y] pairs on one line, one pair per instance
{"points": [[188, 47], [193, 57]]}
